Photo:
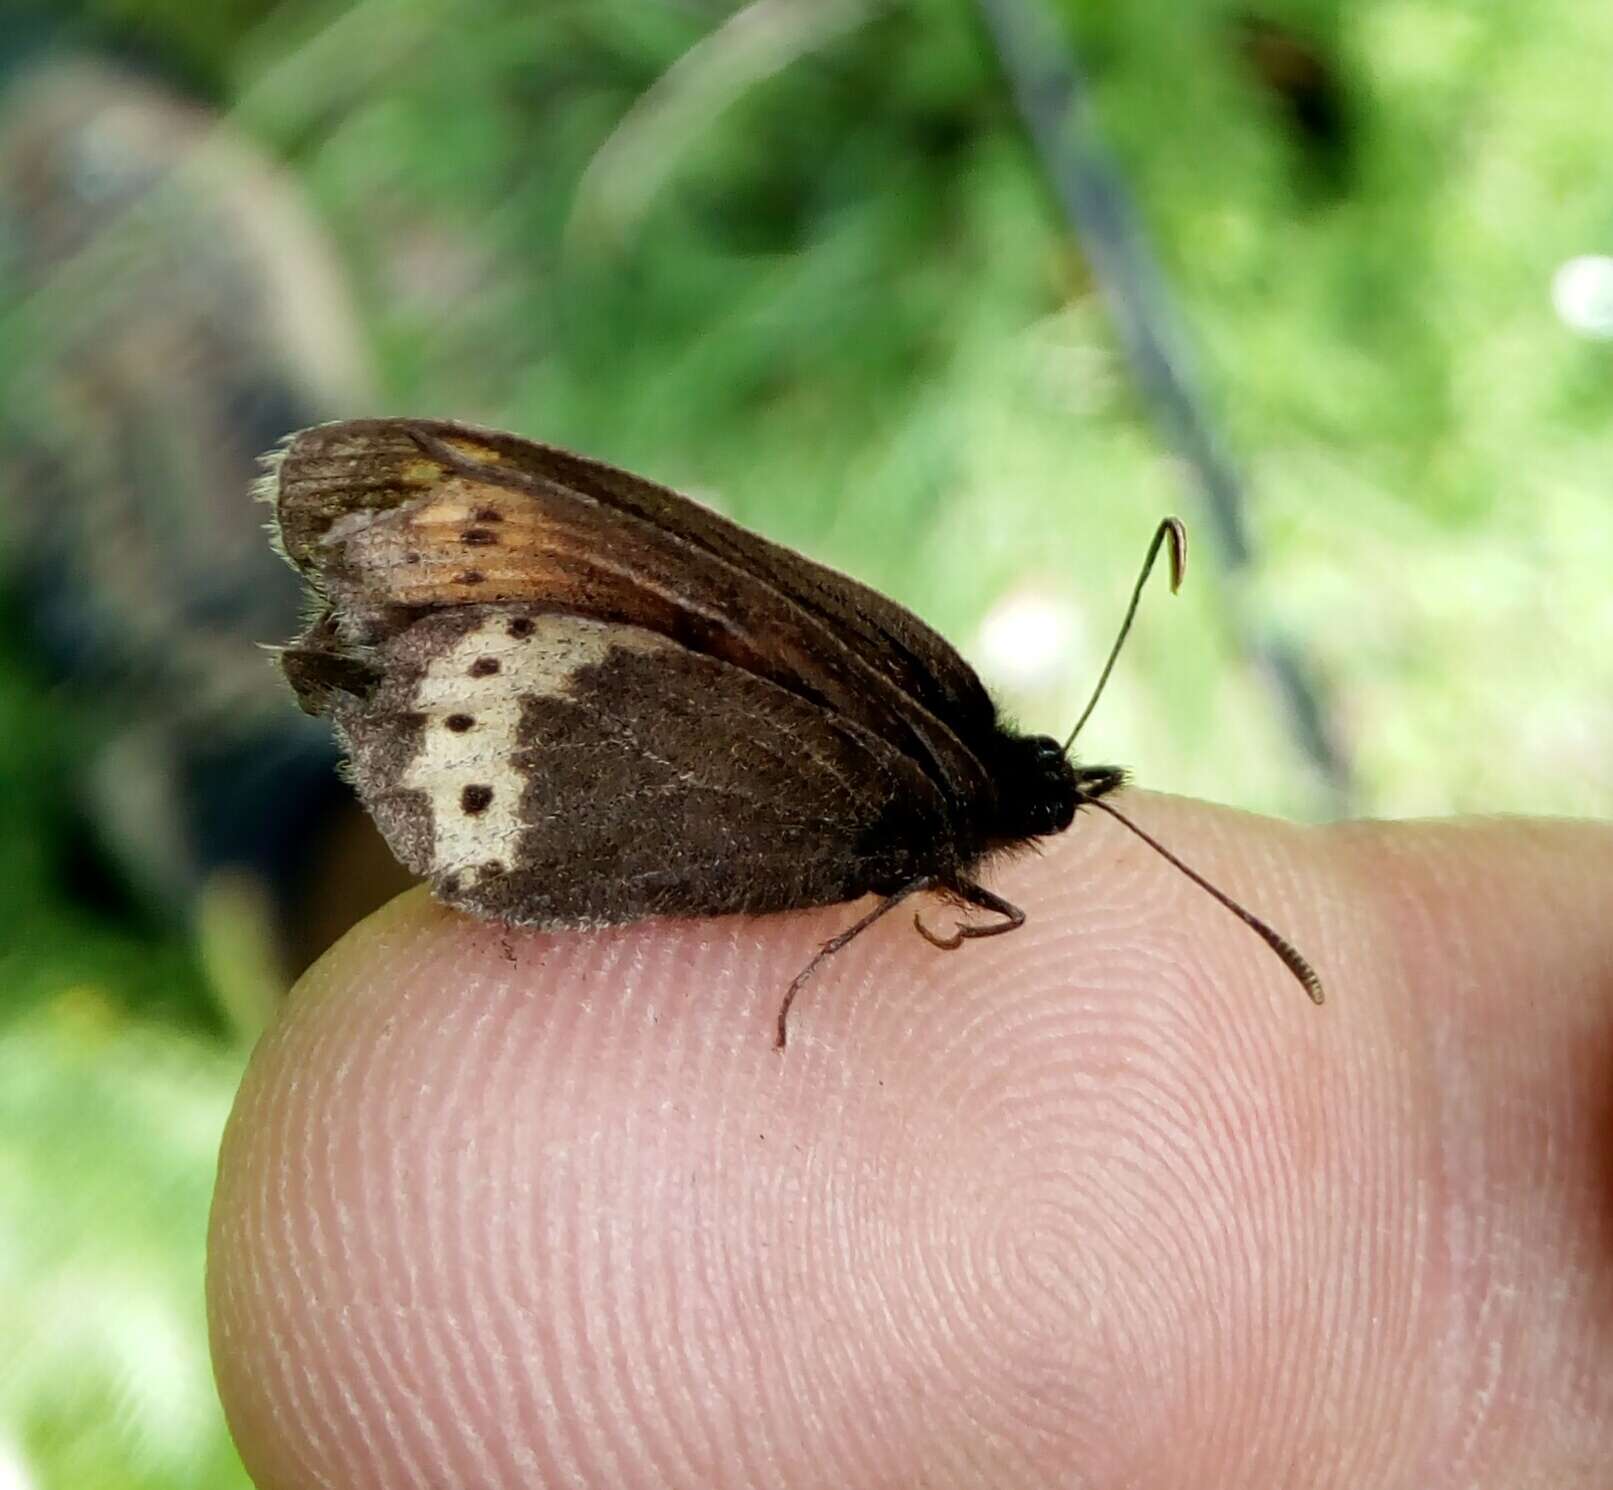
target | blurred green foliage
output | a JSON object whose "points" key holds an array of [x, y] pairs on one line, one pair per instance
{"points": [[799, 259], [101, 1258]]}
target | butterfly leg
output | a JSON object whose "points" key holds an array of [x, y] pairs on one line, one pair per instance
{"points": [[835, 943], [1013, 917]]}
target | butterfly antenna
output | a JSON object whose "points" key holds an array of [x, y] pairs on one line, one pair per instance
{"points": [[1173, 529], [1291, 956]]}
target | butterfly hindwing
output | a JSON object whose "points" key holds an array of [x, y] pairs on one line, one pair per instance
{"points": [[550, 769]]}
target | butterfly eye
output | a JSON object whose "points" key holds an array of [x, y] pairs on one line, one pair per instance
{"points": [[1058, 815]]}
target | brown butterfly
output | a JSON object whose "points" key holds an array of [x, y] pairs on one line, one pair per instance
{"points": [[573, 698]]}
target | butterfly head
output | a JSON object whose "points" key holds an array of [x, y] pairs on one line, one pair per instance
{"points": [[1042, 788]]}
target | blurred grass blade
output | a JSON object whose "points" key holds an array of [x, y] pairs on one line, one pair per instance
{"points": [[638, 156]]}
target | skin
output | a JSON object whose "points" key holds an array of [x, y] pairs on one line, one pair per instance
{"points": [[1103, 1203]]}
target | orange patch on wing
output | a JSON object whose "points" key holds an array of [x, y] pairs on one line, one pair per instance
{"points": [[422, 472], [467, 543], [474, 449]]}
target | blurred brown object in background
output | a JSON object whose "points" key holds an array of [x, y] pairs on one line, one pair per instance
{"points": [[1305, 83], [173, 312]]}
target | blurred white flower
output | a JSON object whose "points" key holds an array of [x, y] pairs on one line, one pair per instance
{"points": [[1582, 294], [1029, 641], [14, 1473]]}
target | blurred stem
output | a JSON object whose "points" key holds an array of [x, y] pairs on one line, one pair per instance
{"points": [[1044, 73]]}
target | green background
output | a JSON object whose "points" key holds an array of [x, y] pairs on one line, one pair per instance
{"points": [[806, 264]]}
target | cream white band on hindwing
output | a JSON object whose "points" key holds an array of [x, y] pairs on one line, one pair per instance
{"points": [[471, 695]]}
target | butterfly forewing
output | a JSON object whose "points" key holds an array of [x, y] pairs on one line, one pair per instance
{"points": [[388, 513]]}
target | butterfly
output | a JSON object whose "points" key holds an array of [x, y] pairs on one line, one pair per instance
{"points": [[571, 697]]}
